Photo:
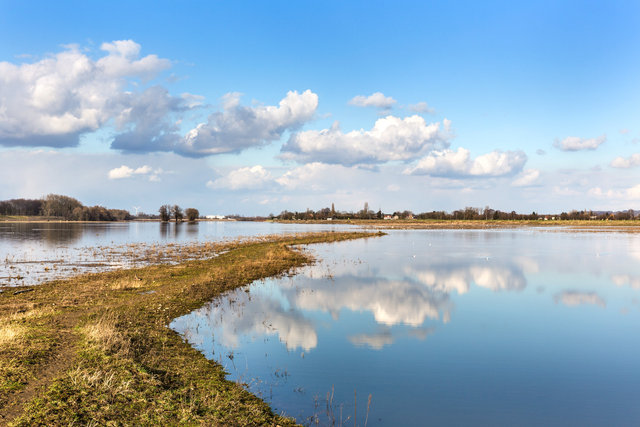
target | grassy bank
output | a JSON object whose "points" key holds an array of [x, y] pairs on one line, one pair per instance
{"points": [[96, 349]]}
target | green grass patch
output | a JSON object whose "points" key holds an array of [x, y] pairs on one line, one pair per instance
{"points": [[100, 350]]}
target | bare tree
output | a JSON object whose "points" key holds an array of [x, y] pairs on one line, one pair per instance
{"points": [[58, 205], [165, 213], [176, 211]]}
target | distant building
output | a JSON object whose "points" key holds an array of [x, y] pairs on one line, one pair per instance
{"points": [[215, 217], [387, 217]]}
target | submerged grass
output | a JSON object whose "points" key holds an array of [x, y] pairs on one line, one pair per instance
{"points": [[96, 349]]}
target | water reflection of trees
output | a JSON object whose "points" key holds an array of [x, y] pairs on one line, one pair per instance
{"points": [[52, 233], [173, 231]]}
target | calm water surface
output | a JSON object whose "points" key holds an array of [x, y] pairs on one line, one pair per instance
{"points": [[509, 327], [38, 251]]}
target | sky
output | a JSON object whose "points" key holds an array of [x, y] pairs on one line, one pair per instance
{"points": [[252, 108]]}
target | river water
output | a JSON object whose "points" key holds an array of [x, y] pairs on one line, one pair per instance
{"points": [[425, 327], [33, 252]]}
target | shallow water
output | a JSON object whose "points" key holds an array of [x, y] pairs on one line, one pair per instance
{"points": [[482, 327], [32, 252]]}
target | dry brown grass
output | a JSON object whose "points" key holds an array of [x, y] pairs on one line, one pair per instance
{"points": [[10, 333], [128, 283], [103, 332]]}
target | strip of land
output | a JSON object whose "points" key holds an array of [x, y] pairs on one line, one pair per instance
{"points": [[96, 349], [472, 224]]}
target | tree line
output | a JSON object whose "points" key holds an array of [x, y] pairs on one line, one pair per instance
{"points": [[59, 206], [468, 213], [174, 211]]}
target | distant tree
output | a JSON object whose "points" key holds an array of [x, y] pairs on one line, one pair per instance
{"points": [[120, 214], [192, 214], [286, 215], [61, 206], [165, 213], [177, 213], [379, 214]]}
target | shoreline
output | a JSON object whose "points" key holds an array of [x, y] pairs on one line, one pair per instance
{"points": [[97, 347], [428, 224]]}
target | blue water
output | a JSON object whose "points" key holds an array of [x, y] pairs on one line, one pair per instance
{"points": [[507, 327]]}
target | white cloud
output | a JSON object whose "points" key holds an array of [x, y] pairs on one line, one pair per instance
{"points": [[237, 127], [633, 193], [458, 164], [626, 163], [127, 172], [392, 138], [377, 100], [574, 298], [574, 143], [121, 172], [526, 178], [305, 176], [421, 107], [52, 101], [249, 178], [122, 60]]}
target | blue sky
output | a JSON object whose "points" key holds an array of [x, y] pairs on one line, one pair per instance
{"points": [[256, 107]]}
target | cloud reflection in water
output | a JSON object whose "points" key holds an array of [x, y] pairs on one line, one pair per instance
{"points": [[284, 307]]}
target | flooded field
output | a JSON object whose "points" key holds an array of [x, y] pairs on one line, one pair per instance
{"points": [[32, 252], [431, 327]]}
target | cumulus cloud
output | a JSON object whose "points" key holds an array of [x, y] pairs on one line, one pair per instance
{"points": [[248, 178], [304, 176], [632, 193], [526, 178], [458, 164], [574, 298], [421, 107], [238, 127], [51, 102], [574, 143], [391, 138], [377, 100], [626, 163], [147, 123], [125, 171]]}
